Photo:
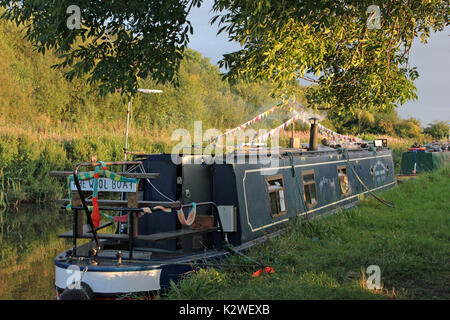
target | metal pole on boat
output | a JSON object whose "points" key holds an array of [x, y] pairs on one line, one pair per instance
{"points": [[129, 113], [125, 149], [291, 142], [126, 130]]}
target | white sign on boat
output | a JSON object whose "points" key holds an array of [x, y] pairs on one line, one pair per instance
{"points": [[106, 185]]}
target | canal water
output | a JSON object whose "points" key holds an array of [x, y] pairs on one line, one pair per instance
{"points": [[28, 245]]}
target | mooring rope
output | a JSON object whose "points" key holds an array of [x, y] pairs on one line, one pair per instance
{"points": [[151, 184], [346, 156]]}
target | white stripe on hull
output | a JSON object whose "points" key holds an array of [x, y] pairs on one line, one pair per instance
{"points": [[111, 282]]}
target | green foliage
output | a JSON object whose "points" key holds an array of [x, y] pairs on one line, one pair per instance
{"points": [[367, 137], [408, 128], [37, 97], [376, 123], [48, 123], [24, 174], [438, 130], [116, 44], [329, 44], [385, 123], [205, 283]]}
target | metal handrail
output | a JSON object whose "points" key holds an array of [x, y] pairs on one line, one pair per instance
{"points": [[83, 200], [88, 213]]}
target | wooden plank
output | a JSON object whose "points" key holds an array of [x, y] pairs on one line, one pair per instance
{"points": [[132, 219], [106, 185], [203, 222], [109, 236], [124, 174], [173, 234], [85, 229], [112, 254], [151, 237], [124, 203]]}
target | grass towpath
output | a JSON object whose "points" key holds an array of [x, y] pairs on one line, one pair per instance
{"points": [[327, 258]]}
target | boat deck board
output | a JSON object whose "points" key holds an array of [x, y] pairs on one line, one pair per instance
{"points": [[123, 203], [174, 234], [137, 175], [161, 236], [86, 230]]}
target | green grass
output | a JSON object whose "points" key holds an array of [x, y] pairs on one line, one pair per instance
{"points": [[327, 258]]}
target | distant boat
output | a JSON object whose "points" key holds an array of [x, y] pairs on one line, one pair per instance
{"points": [[235, 206], [420, 159]]}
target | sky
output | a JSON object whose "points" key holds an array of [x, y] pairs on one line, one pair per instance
{"points": [[205, 38], [433, 86], [432, 61]]}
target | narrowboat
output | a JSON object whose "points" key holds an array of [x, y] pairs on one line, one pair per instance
{"points": [[177, 213], [427, 158]]}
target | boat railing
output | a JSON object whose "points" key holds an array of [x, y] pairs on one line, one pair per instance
{"points": [[131, 206]]}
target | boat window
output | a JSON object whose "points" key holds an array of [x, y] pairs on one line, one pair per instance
{"points": [[277, 199], [309, 188], [343, 181]]}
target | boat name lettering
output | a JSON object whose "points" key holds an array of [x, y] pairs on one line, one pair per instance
{"points": [[106, 185]]}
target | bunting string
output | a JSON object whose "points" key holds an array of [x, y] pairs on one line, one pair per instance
{"points": [[258, 118], [285, 125], [336, 137], [302, 116]]}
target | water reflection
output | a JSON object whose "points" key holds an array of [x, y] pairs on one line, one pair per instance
{"points": [[28, 245]]}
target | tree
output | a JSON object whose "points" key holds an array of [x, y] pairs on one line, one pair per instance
{"points": [[115, 43], [385, 122], [331, 44], [438, 130], [409, 128]]}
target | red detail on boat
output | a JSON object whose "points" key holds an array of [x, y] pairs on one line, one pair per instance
{"points": [[95, 216], [124, 218], [420, 149]]}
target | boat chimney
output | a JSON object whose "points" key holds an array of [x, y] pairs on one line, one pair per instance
{"points": [[313, 134]]}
